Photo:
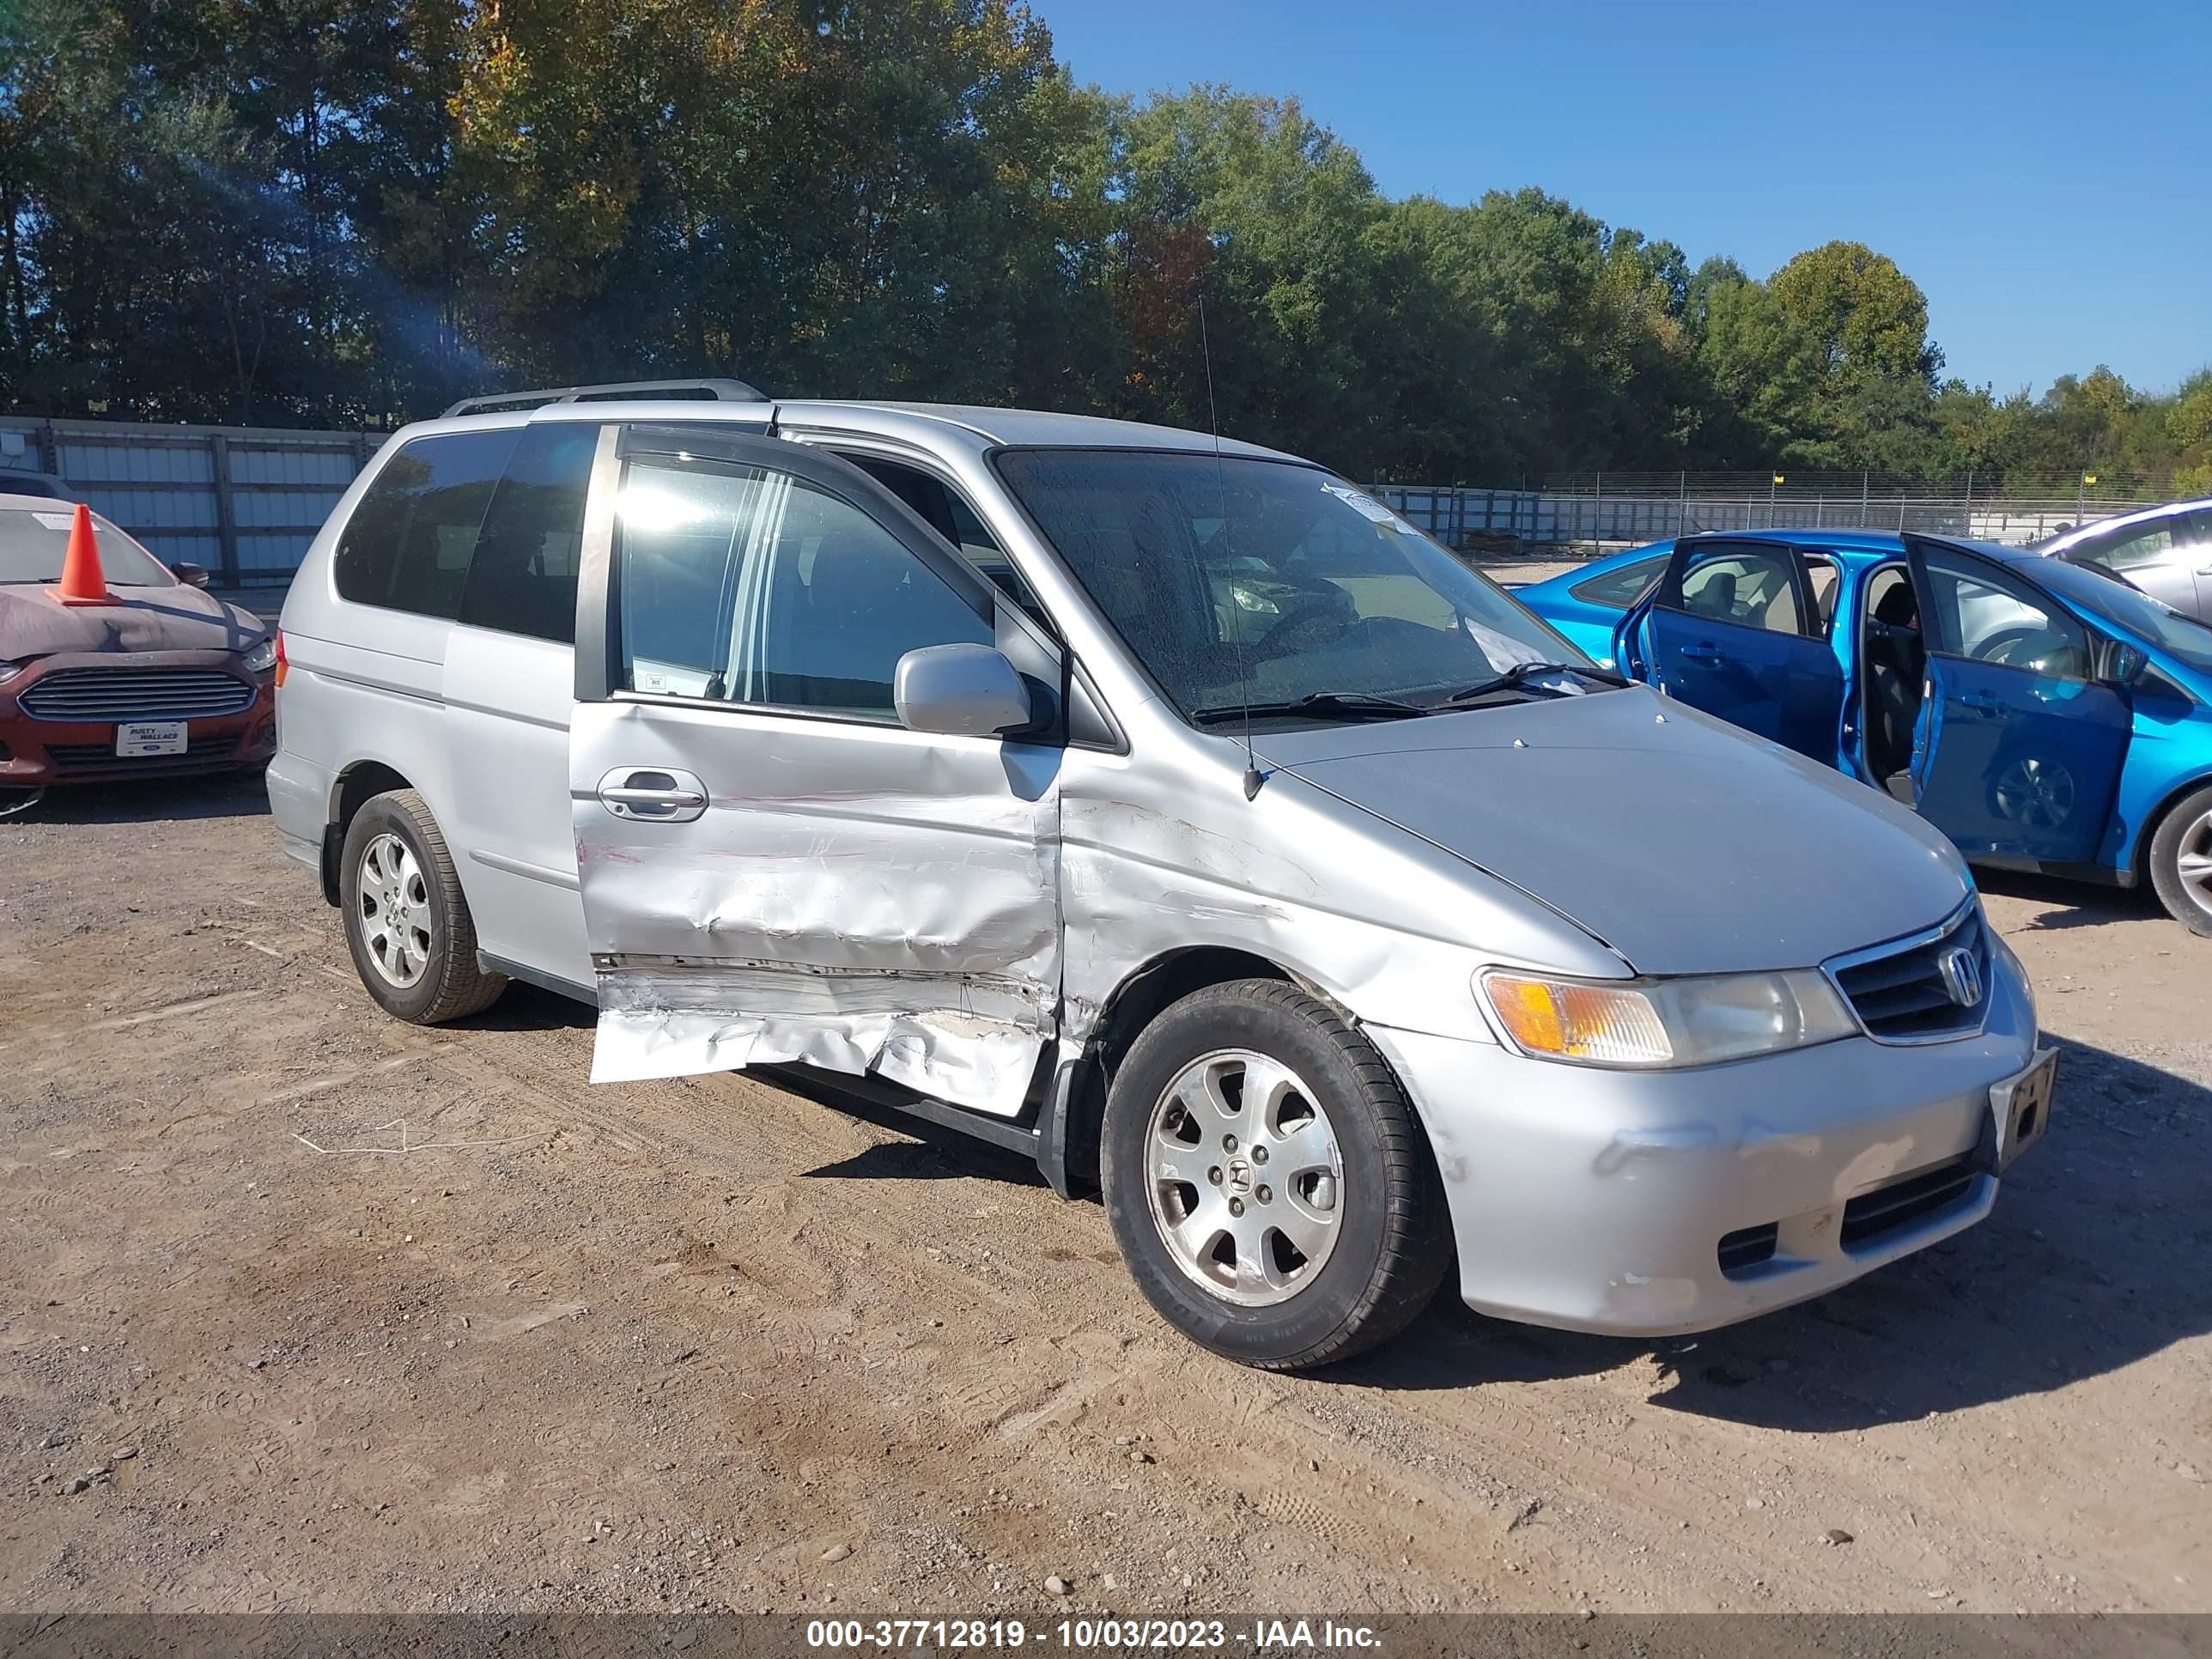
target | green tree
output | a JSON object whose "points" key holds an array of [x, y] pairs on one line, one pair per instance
{"points": [[322, 212], [2189, 428]]}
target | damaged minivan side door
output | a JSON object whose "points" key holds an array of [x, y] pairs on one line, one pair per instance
{"points": [[775, 867]]}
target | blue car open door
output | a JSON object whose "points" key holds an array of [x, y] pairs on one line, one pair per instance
{"points": [[2020, 743], [1732, 628]]}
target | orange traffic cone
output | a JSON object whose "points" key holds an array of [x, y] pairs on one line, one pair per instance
{"points": [[82, 581]]}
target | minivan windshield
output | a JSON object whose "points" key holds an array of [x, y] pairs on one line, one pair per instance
{"points": [[33, 543], [1236, 580], [2133, 610]]}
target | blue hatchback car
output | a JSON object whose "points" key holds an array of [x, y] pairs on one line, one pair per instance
{"points": [[2044, 716]]}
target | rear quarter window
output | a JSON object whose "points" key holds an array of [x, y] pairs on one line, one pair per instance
{"points": [[411, 540], [522, 575], [1617, 590]]}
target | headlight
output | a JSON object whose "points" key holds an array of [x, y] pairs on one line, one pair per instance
{"points": [[1258, 603], [261, 657], [10, 670], [1662, 1023]]}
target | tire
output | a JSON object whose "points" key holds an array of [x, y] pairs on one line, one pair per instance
{"points": [[417, 957], [1380, 1240], [2182, 881]]}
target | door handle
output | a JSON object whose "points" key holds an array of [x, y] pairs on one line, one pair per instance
{"points": [[1981, 702], [653, 794], [1708, 655]]}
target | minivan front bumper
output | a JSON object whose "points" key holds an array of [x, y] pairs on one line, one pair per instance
{"points": [[1606, 1201]]}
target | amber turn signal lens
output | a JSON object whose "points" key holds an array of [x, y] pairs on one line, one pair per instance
{"points": [[1580, 1021]]}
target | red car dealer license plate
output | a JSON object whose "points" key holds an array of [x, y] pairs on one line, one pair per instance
{"points": [[2022, 1107], [138, 737]]}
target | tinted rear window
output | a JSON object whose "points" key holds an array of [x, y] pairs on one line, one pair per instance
{"points": [[408, 546], [1619, 589], [522, 578]]}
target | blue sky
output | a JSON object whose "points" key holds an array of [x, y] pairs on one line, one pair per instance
{"points": [[2043, 170]]}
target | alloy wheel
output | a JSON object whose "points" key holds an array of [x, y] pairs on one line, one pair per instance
{"points": [[2193, 862], [394, 900], [1245, 1178]]}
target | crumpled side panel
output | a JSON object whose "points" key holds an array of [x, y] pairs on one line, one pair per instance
{"points": [[965, 886], [676, 1019], [1389, 928], [855, 897]]}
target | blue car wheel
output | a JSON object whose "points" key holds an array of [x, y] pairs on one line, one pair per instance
{"points": [[2181, 862]]}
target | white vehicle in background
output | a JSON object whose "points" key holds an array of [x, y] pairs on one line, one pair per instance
{"points": [[2165, 550]]}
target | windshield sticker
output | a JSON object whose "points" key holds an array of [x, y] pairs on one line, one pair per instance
{"points": [[1368, 507], [55, 521]]}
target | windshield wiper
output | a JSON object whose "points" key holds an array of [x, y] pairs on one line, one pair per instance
{"points": [[1520, 673], [1354, 705]]}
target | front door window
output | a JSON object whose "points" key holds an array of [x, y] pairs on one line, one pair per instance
{"points": [[743, 584]]}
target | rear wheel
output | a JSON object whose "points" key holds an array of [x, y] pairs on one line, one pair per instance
{"points": [[1267, 1180], [2181, 862], [414, 944]]}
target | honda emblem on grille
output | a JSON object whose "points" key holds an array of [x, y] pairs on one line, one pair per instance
{"points": [[1961, 974]]}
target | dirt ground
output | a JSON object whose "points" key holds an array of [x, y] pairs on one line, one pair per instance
{"points": [[301, 1308]]}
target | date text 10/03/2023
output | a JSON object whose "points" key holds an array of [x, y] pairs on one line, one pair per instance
{"points": [[1276, 1635]]}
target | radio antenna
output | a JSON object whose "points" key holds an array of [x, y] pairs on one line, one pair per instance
{"points": [[1253, 779]]}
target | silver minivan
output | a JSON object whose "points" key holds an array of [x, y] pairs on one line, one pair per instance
{"points": [[1166, 808]]}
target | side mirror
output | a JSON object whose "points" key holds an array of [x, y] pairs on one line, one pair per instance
{"points": [[960, 691], [191, 576], [2123, 662]]}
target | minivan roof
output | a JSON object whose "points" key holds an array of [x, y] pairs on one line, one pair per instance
{"points": [[1032, 427], [982, 426]]}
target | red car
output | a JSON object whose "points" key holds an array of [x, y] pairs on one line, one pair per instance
{"points": [[123, 670]]}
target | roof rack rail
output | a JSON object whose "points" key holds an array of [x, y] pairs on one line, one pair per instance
{"points": [[714, 391]]}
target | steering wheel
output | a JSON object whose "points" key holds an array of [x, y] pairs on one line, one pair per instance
{"points": [[2005, 646], [1282, 636]]}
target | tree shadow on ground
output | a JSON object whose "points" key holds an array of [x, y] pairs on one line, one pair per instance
{"points": [[2064, 904]]}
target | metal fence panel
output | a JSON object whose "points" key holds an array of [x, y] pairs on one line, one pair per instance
{"points": [[244, 501]]}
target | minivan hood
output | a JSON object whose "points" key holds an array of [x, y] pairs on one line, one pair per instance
{"points": [[180, 618], [1686, 845]]}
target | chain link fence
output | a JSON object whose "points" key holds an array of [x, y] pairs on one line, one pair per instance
{"points": [[246, 502], [1626, 514]]}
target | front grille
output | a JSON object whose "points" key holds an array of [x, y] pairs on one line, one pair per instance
{"points": [[1901, 1203], [85, 696], [1905, 996], [1747, 1248]]}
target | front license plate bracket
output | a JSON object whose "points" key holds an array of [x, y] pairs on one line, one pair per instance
{"points": [[2019, 1111]]}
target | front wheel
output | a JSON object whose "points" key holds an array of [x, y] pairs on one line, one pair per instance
{"points": [[1267, 1182], [2180, 861]]}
